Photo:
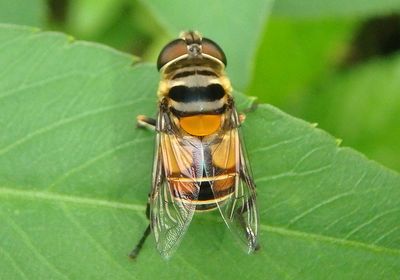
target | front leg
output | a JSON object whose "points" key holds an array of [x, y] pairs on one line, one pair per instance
{"points": [[146, 122], [242, 118]]}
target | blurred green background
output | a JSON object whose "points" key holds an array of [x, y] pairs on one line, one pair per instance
{"points": [[337, 65]]}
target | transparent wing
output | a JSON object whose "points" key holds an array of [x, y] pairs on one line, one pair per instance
{"points": [[239, 211], [173, 188]]}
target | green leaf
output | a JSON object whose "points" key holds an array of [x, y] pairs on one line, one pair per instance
{"points": [[294, 54], [28, 12], [75, 172], [88, 17], [213, 19], [125, 25], [326, 8], [362, 105]]}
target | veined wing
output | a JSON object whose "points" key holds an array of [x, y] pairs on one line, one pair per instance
{"points": [[240, 209], [173, 188]]}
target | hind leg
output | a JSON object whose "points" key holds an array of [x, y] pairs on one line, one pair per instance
{"points": [[136, 250]]}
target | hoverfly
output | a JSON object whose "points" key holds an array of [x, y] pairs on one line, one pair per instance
{"points": [[199, 163]]}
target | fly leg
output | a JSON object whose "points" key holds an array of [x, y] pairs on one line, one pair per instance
{"points": [[242, 118], [252, 108], [146, 122], [136, 250]]}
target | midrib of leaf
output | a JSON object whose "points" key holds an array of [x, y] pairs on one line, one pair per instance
{"points": [[54, 197], [328, 239]]}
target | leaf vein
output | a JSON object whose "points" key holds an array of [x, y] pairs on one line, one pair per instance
{"points": [[317, 206], [63, 122], [306, 155], [50, 196], [100, 248], [93, 160], [294, 174], [329, 239], [141, 208], [25, 238], [385, 235], [341, 218], [13, 263], [275, 145], [370, 221]]}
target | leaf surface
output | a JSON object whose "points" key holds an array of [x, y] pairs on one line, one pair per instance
{"points": [[31, 12], [75, 172], [293, 55], [365, 103], [326, 8]]}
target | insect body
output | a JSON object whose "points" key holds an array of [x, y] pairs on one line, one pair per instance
{"points": [[199, 164]]}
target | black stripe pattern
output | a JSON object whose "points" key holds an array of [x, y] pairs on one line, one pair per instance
{"points": [[190, 73], [181, 114], [186, 94]]}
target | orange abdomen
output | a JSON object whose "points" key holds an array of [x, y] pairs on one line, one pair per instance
{"points": [[182, 168]]}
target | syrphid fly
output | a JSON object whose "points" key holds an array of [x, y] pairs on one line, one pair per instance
{"points": [[199, 160]]}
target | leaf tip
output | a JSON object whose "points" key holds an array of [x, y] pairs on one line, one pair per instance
{"points": [[338, 141], [314, 124], [70, 39], [134, 60], [35, 30], [253, 104]]}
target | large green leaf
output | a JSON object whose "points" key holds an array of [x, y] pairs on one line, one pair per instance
{"points": [[75, 172], [88, 17], [236, 25], [362, 105], [29, 12], [326, 8], [294, 54]]}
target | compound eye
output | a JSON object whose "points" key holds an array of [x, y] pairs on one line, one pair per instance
{"points": [[172, 50], [211, 48]]}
